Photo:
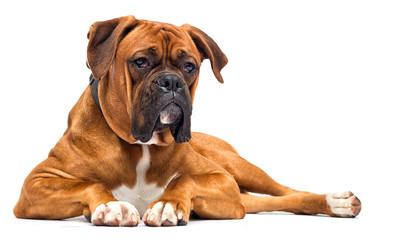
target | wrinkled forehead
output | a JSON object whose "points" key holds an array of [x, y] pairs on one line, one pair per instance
{"points": [[157, 38]]}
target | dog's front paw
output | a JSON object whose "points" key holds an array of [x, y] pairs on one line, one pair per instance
{"points": [[116, 213], [343, 204], [165, 214]]}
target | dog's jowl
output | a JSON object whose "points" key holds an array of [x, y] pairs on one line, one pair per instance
{"points": [[128, 154]]}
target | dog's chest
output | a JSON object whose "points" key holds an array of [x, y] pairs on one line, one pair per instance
{"points": [[142, 194]]}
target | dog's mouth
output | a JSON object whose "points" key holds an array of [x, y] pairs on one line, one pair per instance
{"points": [[172, 111]]}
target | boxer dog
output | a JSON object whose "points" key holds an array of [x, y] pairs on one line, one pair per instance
{"points": [[128, 151]]}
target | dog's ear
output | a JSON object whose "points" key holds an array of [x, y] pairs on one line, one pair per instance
{"points": [[209, 49], [104, 38]]}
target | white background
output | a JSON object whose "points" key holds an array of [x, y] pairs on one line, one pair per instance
{"points": [[310, 96]]}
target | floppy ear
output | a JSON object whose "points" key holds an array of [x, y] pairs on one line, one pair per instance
{"points": [[104, 38], [209, 49]]}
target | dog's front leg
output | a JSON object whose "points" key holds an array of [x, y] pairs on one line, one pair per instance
{"points": [[45, 196], [212, 195]]}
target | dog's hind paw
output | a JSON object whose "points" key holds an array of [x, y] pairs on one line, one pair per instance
{"points": [[343, 204]]}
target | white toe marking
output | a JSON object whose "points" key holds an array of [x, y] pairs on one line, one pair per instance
{"points": [[98, 215], [180, 215], [340, 203], [116, 213], [345, 194], [344, 212], [156, 213], [169, 215], [164, 214]]}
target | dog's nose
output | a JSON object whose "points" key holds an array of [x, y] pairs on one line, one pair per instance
{"points": [[170, 82]]}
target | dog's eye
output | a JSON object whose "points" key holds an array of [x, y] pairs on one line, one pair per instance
{"points": [[141, 62], [188, 67]]}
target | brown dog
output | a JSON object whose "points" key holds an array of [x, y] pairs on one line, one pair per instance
{"points": [[128, 150]]}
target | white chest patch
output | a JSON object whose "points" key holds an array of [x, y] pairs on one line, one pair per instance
{"points": [[142, 194]]}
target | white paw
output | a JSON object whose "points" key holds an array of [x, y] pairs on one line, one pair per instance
{"points": [[343, 204], [116, 213], [165, 215]]}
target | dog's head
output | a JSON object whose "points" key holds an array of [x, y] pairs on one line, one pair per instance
{"points": [[149, 73]]}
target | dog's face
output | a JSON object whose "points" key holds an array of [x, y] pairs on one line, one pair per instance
{"points": [[163, 64], [149, 73]]}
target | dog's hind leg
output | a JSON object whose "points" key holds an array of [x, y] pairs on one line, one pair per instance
{"points": [[249, 177], [252, 179], [344, 204]]}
